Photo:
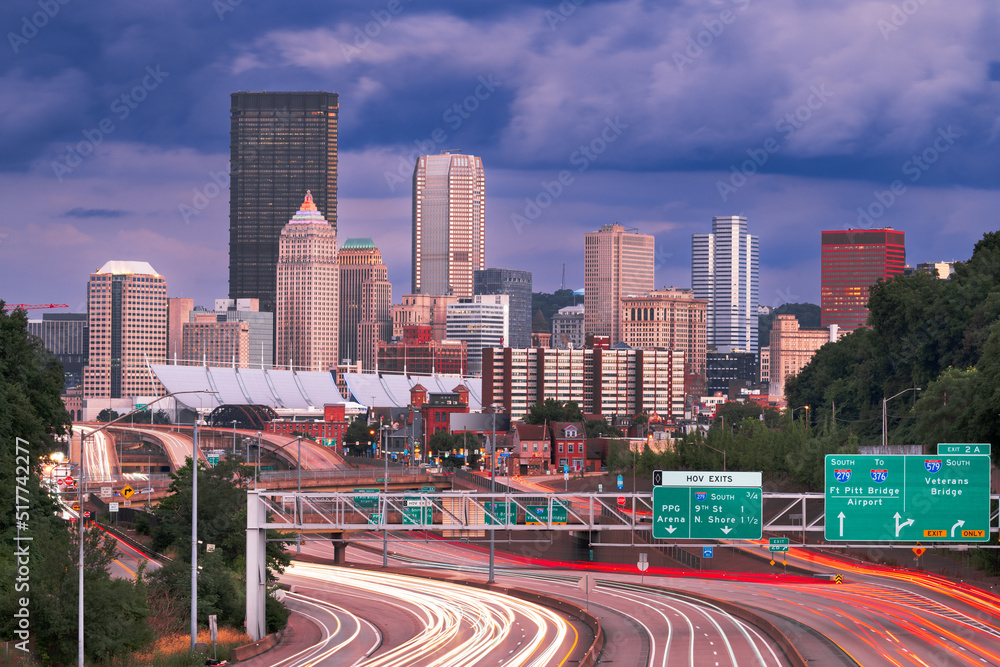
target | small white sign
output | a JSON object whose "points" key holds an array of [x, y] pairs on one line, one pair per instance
{"points": [[566, 476], [684, 478], [418, 503], [127, 503], [209, 548], [106, 492], [213, 628], [113, 507]]}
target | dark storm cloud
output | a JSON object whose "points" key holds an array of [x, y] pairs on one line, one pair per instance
{"points": [[800, 115]]}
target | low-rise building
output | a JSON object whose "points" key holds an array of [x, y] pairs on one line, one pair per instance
{"points": [[569, 446], [530, 450]]}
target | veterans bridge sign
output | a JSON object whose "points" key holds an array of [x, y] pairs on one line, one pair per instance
{"points": [[893, 498]]}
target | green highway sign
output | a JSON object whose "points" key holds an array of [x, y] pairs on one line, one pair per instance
{"points": [[506, 513], [964, 448], [213, 459], [778, 544], [382, 479], [895, 498], [539, 514], [418, 511], [367, 501], [374, 519], [427, 489], [707, 512]]}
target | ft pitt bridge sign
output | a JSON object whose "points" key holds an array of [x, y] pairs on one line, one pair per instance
{"points": [[893, 498]]}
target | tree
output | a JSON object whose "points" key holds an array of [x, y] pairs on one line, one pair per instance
{"points": [[598, 428], [806, 313], [549, 304], [107, 415], [32, 417], [553, 411], [219, 589]]}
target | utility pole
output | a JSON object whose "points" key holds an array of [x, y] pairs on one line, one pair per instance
{"points": [[194, 536], [385, 500], [493, 486]]}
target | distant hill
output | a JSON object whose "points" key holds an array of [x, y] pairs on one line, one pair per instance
{"points": [[550, 304]]}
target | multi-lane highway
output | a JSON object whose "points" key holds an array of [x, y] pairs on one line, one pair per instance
{"points": [[878, 616]]}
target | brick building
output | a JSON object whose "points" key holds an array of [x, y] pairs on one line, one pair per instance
{"points": [[418, 353], [530, 453]]}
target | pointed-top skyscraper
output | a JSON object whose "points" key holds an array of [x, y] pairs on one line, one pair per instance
{"points": [[308, 279]]}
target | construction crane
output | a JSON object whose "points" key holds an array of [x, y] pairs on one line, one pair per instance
{"points": [[25, 306]]}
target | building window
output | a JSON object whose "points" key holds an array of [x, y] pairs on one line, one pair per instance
{"points": [[524, 446], [534, 446], [570, 450], [560, 448]]}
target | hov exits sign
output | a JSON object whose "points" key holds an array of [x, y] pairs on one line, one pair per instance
{"points": [[707, 505], [893, 498]]}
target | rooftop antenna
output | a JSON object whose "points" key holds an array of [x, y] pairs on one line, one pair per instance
{"points": [[562, 285]]}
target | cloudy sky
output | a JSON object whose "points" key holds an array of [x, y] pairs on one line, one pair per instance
{"points": [[802, 116]]}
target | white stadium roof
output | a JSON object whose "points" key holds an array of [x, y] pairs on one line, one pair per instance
{"points": [[393, 389], [281, 390]]}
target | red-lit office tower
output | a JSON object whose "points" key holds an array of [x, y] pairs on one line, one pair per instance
{"points": [[852, 261]]}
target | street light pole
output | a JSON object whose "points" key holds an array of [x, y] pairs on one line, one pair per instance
{"points": [[234, 437], [257, 467], [194, 537], [385, 500], [493, 490], [885, 420], [80, 513], [298, 500]]}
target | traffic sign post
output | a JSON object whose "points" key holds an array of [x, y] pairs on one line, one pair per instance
{"points": [[778, 544], [896, 498], [707, 552], [707, 513]]}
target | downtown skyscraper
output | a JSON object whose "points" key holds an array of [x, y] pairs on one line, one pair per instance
{"points": [[365, 301], [725, 267], [308, 280], [853, 260], [281, 144], [449, 223], [618, 262], [127, 324]]}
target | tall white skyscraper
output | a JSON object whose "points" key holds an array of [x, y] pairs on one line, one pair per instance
{"points": [[724, 272], [449, 216], [308, 292]]}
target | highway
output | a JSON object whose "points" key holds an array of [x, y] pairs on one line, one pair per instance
{"points": [[99, 455], [379, 619]]}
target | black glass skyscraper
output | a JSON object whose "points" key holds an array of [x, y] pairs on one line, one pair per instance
{"points": [[281, 144]]}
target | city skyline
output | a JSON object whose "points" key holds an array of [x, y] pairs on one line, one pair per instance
{"points": [[119, 149]]}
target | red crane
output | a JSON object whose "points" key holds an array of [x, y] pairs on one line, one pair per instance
{"points": [[25, 306]]}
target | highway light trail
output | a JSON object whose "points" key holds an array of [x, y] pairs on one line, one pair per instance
{"points": [[459, 625]]}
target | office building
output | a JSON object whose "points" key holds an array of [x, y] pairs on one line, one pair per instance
{"points": [[516, 285], [725, 369], [618, 262], [724, 272], [481, 321], [668, 319], [568, 328], [792, 348], [308, 277], [449, 223], [65, 335], [127, 323], [618, 381], [281, 144], [941, 270], [852, 261], [178, 314], [365, 301], [416, 352], [260, 326], [209, 340], [422, 309]]}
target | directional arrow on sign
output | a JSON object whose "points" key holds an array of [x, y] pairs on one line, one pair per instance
{"points": [[670, 529], [726, 530], [901, 526], [841, 517], [961, 522]]}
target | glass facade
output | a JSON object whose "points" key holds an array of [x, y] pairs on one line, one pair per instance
{"points": [[516, 285], [852, 261], [281, 144]]}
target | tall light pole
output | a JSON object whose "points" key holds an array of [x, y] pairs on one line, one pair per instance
{"points": [[885, 420], [298, 502], [385, 497], [257, 467], [83, 460], [194, 536], [234, 437], [721, 451], [493, 488]]}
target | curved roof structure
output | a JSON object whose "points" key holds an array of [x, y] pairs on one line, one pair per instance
{"points": [[278, 390], [393, 389]]}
